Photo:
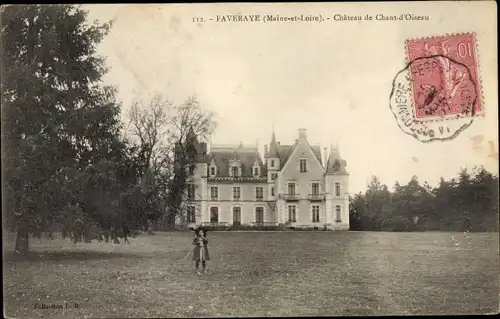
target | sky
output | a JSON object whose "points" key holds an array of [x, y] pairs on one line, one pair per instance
{"points": [[332, 78]]}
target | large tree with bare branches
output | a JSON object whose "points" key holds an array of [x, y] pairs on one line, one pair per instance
{"points": [[168, 136]]}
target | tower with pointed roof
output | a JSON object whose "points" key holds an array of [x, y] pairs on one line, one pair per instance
{"points": [[337, 190], [292, 186], [273, 165]]}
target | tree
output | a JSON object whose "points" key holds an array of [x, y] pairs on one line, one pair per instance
{"points": [[378, 204], [61, 126], [169, 136], [190, 124], [149, 124], [357, 210]]}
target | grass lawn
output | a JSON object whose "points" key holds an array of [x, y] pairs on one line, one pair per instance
{"points": [[258, 274]]}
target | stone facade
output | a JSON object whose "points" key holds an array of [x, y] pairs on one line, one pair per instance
{"points": [[292, 186]]}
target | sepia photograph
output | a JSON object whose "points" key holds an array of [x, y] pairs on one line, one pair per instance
{"points": [[249, 159]]}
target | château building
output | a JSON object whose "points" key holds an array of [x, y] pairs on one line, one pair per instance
{"points": [[292, 185]]}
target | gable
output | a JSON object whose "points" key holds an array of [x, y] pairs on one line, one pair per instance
{"points": [[303, 150], [285, 151]]}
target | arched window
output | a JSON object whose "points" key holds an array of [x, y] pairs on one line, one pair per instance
{"points": [[259, 215], [214, 214], [236, 215]]}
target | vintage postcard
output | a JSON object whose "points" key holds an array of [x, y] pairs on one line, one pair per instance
{"points": [[250, 159]]}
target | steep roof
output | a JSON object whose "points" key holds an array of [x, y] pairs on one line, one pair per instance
{"points": [[335, 159], [246, 157], [273, 147], [284, 152], [317, 151]]}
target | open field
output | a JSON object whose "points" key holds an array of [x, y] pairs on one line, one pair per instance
{"points": [[259, 274]]}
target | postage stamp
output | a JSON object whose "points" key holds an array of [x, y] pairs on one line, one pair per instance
{"points": [[438, 94]]}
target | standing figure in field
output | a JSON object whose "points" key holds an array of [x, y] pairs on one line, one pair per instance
{"points": [[200, 250], [204, 250]]}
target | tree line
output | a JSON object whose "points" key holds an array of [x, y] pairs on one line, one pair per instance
{"points": [[68, 160], [468, 202]]}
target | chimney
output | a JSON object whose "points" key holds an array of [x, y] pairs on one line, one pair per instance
{"points": [[302, 134], [325, 149]]}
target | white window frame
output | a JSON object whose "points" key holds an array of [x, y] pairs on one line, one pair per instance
{"points": [[295, 213], [335, 189], [256, 169], [263, 213], [210, 214], [256, 193], [306, 165], [338, 213], [318, 215], [188, 214], [240, 193], [233, 213], [319, 187], [217, 192], [214, 168], [232, 167]]}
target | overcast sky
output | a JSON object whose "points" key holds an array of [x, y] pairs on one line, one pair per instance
{"points": [[331, 78]]}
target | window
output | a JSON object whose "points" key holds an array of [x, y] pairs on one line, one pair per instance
{"points": [[256, 171], [190, 191], [259, 193], [292, 210], [214, 214], [236, 215], [338, 213], [191, 215], [272, 163], [212, 171], [336, 166], [234, 170], [273, 176], [191, 170], [272, 191], [214, 192], [315, 214], [315, 188], [236, 193], [303, 165], [337, 189], [259, 215], [291, 188]]}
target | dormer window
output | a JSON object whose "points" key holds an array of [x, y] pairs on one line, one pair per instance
{"points": [[212, 169], [272, 163], [234, 171], [336, 166], [234, 168], [256, 172]]}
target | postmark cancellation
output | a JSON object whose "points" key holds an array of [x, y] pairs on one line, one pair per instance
{"points": [[438, 93]]}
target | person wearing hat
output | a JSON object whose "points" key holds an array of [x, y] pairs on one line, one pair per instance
{"points": [[200, 250]]}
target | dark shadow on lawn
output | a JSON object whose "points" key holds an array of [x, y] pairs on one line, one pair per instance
{"points": [[64, 255]]}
